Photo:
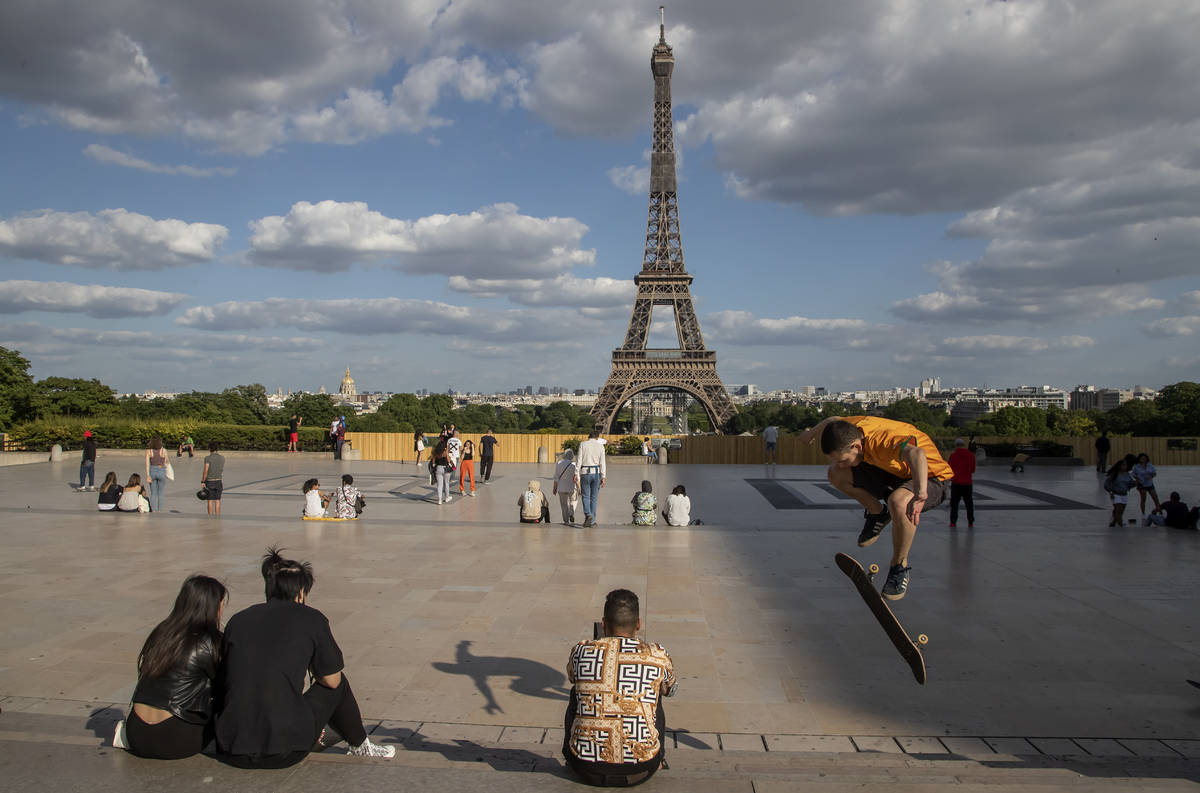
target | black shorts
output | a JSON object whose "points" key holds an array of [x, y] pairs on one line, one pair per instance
{"points": [[881, 484], [214, 488]]}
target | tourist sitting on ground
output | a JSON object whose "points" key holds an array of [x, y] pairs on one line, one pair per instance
{"points": [[1117, 483], [171, 715], [186, 445], [266, 718], [679, 507], [346, 499], [615, 720], [110, 493], [1175, 514], [535, 507], [645, 505], [133, 496], [314, 502]]}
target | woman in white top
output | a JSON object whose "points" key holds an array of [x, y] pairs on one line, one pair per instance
{"points": [[133, 496], [1143, 473], [564, 486], [314, 502], [679, 507]]}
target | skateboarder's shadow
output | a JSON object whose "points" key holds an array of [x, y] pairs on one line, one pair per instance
{"points": [[531, 678]]}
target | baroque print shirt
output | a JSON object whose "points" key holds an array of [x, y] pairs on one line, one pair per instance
{"points": [[617, 685]]}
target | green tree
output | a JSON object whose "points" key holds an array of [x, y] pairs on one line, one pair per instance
{"points": [[914, 411], [67, 396], [16, 388], [247, 404], [1135, 417], [405, 409], [1179, 406], [317, 410]]}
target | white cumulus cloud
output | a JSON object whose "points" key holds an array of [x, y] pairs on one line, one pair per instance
{"points": [[112, 238], [493, 242], [91, 299]]}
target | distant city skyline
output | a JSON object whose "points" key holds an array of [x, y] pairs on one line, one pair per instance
{"points": [[201, 195]]}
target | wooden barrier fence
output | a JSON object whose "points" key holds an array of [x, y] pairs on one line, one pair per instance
{"points": [[750, 450], [514, 448]]}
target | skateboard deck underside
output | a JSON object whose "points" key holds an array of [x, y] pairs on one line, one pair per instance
{"points": [[883, 614]]}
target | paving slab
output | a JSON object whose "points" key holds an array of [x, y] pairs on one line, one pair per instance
{"points": [[456, 621]]}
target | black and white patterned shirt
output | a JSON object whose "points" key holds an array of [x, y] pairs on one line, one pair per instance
{"points": [[618, 682]]}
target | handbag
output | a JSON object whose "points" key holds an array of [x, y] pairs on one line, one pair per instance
{"points": [[170, 471], [143, 504], [360, 504]]}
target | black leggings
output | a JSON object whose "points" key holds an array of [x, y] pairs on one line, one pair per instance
{"points": [[336, 707], [173, 739]]}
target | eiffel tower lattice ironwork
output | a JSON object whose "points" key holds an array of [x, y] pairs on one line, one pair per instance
{"points": [[663, 281]]}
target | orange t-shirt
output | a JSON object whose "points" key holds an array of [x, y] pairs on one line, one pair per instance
{"points": [[885, 440]]}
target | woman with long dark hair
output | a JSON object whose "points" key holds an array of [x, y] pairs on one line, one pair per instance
{"points": [[156, 472], [441, 471], [171, 713]]}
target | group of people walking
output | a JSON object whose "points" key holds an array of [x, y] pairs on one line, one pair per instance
{"points": [[453, 455]]}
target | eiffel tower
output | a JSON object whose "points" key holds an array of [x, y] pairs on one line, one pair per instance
{"points": [[690, 369]]}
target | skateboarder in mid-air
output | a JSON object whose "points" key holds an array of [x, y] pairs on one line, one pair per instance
{"points": [[894, 470]]}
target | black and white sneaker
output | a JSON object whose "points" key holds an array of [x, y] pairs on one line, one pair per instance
{"points": [[872, 526], [897, 582]]}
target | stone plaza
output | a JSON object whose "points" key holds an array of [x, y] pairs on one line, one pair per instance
{"points": [[1058, 657]]}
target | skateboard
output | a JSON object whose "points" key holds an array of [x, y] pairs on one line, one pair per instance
{"points": [[879, 607]]}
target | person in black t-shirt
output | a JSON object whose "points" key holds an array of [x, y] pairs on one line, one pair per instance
{"points": [[267, 719], [487, 447], [294, 433]]}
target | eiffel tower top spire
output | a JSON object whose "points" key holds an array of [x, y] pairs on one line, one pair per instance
{"points": [[664, 248]]}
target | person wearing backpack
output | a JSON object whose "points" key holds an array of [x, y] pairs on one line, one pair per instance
{"points": [[1117, 483]]}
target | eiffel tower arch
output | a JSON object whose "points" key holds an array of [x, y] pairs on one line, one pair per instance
{"points": [[663, 281]]}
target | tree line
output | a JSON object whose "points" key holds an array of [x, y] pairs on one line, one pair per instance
{"points": [[1175, 411], [24, 400]]}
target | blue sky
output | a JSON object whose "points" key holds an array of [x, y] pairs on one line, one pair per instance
{"points": [[443, 194]]}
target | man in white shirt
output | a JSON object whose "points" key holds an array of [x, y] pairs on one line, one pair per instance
{"points": [[454, 447], [771, 437], [591, 475]]}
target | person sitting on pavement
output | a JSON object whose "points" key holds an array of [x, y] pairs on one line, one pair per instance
{"points": [[679, 507], [1174, 514], [186, 445], [345, 499], [133, 496], [266, 718], [535, 507], [645, 505], [615, 723], [110, 493], [314, 502], [171, 714]]}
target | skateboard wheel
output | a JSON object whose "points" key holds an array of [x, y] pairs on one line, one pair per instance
{"points": [[873, 569], [922, 639]]}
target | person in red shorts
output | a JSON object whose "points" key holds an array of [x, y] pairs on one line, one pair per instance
{"points": [[962, 460], [894, 470]]}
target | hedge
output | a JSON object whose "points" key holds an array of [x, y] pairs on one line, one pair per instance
{"points": [[132, 434]]}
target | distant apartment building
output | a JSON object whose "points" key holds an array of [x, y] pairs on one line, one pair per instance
{"points": [[1088, 397], [973, 405]]}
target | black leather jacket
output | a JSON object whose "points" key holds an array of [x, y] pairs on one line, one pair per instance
{"points": [[185, 691]]}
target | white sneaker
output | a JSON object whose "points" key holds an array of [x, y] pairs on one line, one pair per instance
{"points": [[472, 494], [119, 736], [368, 749]]}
